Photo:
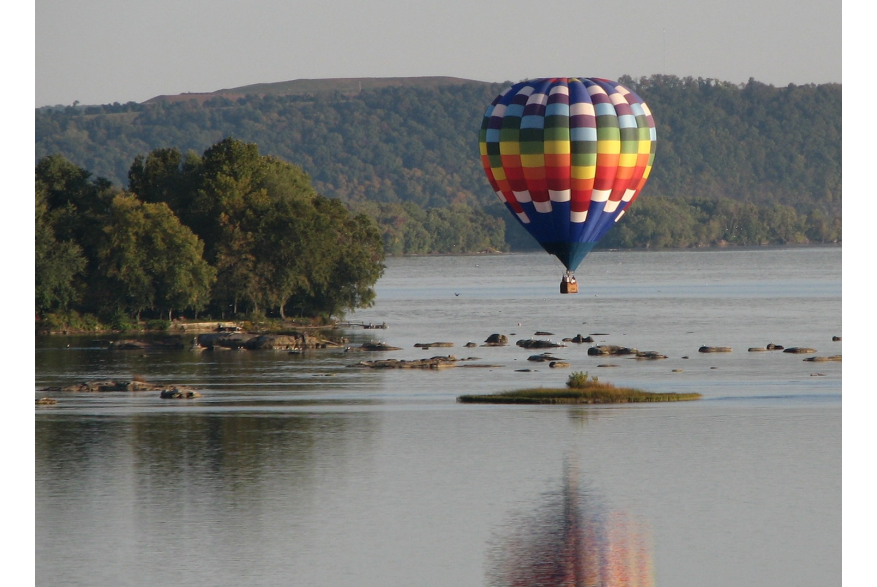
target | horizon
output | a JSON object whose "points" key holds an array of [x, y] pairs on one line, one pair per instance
{"points": [[176, 48]]}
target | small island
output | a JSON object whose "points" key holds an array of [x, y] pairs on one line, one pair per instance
{"points": [[580, 389]]}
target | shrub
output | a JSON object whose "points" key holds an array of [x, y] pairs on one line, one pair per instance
{"points": [[69, 320], [119, 321], [579, 380], [158, 324]]}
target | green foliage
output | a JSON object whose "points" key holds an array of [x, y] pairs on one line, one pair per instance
{"points": [[750, 142], [117, 319], [459, 228], [158, 324], [658, 222], [231, 230], [70, 320], [579, 380], [151, 260], [57, 263]]}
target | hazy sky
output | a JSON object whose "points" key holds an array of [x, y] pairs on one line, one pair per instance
{"points": [[103, 51]]}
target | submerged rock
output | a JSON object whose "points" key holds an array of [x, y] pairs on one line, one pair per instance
{"points": [[374, 346], [224, 340], [430, 363], [108, 385], [579, 339], [610, 349], [833, 358], [168, 342], [799, 350], [714, 349], [111, 385], [179, 393], [649, 356], [531, 343]]}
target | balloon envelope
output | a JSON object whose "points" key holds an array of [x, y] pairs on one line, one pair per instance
{"points": [[567, 156]]}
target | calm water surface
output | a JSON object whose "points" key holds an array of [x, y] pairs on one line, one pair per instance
{"points": [[300, 470]]}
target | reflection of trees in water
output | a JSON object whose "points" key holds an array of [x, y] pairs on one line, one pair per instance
{"points": [[203, 452], [572, 539]]}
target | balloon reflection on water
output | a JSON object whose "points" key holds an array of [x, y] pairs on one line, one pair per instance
{"points": [[572, 539]]}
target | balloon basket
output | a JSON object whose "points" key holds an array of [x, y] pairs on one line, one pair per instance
{"points": [[569, 287]]}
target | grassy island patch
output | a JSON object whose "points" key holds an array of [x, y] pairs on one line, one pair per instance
{"points": [[579, 390]]}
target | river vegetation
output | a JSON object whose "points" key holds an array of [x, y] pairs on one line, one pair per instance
{"points": [[740, 164], [580, 389], [230, 232]]}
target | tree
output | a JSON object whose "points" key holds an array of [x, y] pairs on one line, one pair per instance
{"points": [[274, 242], [57, 263], [76, 203], [153, 261]]}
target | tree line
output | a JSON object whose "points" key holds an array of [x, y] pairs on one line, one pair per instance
{"points": [[751, 142], [408, 158], [229, 232]]}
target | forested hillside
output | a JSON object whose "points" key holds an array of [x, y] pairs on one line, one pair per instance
{"points": [[402, 153]]}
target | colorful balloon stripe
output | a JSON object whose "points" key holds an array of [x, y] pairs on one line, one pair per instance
{"points": [[567, 156]]}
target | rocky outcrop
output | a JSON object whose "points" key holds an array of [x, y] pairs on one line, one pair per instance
{"points": [[112, 385], [610, 349], [543, 333], [430, 363], [649, 356], [579, 339], [374, 346], [179, 393], [241, 340], [836, 339], [543, 358], [275, 342], [168, 342], [799, 350], [833, 358], [558, 365], [107, 385], [496, 340], [224, 340], [426, 345], [714, 349], [531, 343], [770, 347], [46, 401], [288, 342]]}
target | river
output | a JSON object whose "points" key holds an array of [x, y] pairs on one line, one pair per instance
{"points": [[302, 470]]}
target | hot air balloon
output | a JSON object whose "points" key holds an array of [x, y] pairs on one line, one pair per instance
{"points": [[567, 156]]}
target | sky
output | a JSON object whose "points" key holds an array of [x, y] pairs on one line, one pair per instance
{"points": [[105, 51]]}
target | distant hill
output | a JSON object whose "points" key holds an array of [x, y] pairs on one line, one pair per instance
{"points": [[346, 86], [398, 140]]}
